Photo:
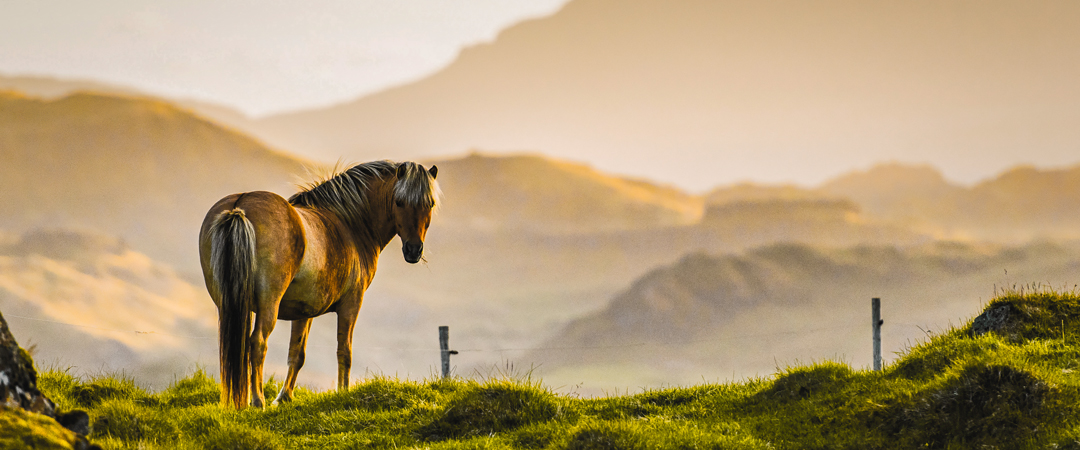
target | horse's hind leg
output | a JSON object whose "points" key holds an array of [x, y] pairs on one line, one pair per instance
{"points": [[264, 324], [297, 343]]}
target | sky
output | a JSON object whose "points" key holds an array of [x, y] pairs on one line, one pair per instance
{"points": [[260, 57]]}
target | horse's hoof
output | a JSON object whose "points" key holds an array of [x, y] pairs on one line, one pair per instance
{"points": [[282, 399]]}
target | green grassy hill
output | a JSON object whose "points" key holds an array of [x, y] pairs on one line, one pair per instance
{"points": [[1006, 379]]}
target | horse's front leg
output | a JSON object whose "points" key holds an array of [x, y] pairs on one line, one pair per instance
{"points": [[297, 344], [346, 314]]}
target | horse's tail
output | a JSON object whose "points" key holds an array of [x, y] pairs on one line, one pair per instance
{"points": [[232, 258]]}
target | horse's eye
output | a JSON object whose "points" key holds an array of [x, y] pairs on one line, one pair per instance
{"points": [[399, 203]]}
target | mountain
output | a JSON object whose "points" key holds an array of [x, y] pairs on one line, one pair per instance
{"points": [[1023, 203], [754, 192], [1020, 204], [137, 168], [532, 192], [706, 91], [52, 88], [747, 313]]}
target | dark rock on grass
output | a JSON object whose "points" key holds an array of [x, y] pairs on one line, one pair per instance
{"points": [[27, 415], [18, 379], [76, 421], [1041, 315], [986, 404], [995, 318]]}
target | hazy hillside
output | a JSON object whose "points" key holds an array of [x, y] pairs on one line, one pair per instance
{"points": [[535, 193], [1024, 202], [745, 313], [88, 302], [1017, 205], [704, 90], [755, 192], [51, 88], [136, 168]]}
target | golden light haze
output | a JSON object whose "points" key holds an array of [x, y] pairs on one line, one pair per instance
{"points": [[697, 93], [622, 174]]}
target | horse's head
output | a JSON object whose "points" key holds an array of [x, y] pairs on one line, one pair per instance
{"points": [[415, 193]]}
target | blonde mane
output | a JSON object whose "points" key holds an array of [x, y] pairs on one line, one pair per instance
{"points": [[348, 193]]}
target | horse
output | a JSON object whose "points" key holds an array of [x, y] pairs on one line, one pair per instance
{"points": [[300, 258]]}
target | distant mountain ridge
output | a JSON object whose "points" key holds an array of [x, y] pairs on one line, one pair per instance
{"points": [[1020, 204], [704, 91], [533, 192], [51, 88], [145, 170]]}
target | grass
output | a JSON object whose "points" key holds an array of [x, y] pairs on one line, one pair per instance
{"points": [[1008, 379]]}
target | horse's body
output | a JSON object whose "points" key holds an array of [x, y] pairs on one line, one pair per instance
{"points": [[303, 257]]}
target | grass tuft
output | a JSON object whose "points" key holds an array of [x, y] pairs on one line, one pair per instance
{"points": [[195, 390], [802, 382], [233, 437], [87, 395], [605, 437], [493, 407]]}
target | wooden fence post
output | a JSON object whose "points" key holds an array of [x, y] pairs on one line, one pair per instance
{"points": [[875, 305], [444, 347]]}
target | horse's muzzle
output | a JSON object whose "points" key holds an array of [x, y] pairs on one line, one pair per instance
{"points": [[412, 252]]}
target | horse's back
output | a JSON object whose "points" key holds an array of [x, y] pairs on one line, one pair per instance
{"points": [[279, 233]]}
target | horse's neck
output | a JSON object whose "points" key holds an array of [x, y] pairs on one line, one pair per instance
{"points": [[377, 231]]}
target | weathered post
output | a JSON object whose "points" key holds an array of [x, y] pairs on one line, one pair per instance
{"points": [[444, 346], [876, 317]]}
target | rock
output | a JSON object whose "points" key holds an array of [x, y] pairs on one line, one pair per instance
{"points": [[77, 421], [18, 391], [994, 319], [18, 379]]}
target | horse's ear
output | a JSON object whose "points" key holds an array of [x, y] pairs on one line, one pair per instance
{"points": [[401, 170], [433, 171]]}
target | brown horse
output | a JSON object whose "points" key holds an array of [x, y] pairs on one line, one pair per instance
{"points": [[303, 257]]}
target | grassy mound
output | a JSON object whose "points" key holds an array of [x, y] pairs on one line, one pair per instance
{"points": [[983, 405], [21, 430], [1039, 315], [497, 406], [1010, 378]]}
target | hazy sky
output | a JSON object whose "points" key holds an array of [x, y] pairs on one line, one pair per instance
{"points": [[259, 56]]}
